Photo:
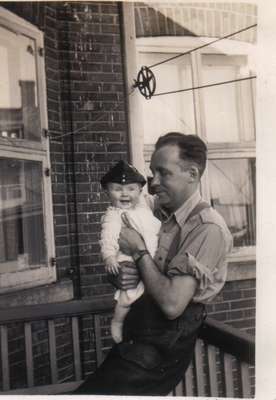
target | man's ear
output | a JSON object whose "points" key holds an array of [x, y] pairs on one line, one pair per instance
{"points": [[194, 173]]}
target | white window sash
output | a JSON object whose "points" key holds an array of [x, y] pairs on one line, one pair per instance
{"points": [[33, 151]]}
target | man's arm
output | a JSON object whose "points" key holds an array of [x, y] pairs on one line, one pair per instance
{"points": [[172, 294]]}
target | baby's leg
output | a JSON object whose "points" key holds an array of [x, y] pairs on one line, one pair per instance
{"points": [[117, 322]]}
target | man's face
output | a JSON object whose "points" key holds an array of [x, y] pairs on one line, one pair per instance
{"points": [[171, 177], [124, 196]]}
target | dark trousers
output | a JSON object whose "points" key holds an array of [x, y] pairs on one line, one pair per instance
{"points": [[152, 359]]}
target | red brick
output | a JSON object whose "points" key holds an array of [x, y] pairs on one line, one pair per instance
{"points": [[243, 304]]}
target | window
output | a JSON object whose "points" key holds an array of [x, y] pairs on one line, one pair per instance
{"points": [[223, 116], [26, 241]]}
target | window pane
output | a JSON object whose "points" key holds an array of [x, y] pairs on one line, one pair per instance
{"points": [[229, 108], [233, 195], [22, 239], [171, 112], [19, 112]]}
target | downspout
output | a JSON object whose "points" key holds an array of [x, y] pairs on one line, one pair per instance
{"points": [[73, 272]]}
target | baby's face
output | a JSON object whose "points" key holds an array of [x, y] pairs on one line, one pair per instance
{"points": [[124, 196]]}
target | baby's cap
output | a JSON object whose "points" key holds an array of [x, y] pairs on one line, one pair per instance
{"points": [[122, 173]]}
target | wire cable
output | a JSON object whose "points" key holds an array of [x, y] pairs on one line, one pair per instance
{"points": [[203, 45], [205, 86], [88, 123]]}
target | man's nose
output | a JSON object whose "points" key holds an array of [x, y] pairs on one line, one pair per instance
{"points": [[155, 181]]}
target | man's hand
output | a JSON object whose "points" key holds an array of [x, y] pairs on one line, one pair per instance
{"points": [[111, 265], [130, 240], [127, 278]]}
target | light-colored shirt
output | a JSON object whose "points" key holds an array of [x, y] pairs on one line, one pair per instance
{"points": [[141, 218], [204, 242]]}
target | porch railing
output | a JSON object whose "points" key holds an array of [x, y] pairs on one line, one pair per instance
{"points": [[222, 365]]}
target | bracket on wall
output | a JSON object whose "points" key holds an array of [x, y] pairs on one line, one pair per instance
{"points": [[47, 172], [41, 51]]}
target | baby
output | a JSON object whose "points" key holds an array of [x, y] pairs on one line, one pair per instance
{"points": [[123, 184]]}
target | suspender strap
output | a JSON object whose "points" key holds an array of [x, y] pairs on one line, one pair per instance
{"points": [[198, 208]]}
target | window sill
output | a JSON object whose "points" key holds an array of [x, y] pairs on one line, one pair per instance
{"points": [[241, 270], [50, 293], [25, 279], [242, 254]]}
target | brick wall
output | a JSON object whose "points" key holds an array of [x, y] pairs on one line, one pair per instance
{"points": [[236, 305], [93, 106]]}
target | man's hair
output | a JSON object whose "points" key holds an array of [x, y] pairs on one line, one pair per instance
{"points": [[191, 148]]}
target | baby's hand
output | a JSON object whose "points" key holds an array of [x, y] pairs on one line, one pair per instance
{"points": [[112, 266]]}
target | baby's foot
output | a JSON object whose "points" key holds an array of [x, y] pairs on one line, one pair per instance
{"points": [[117, 331]]}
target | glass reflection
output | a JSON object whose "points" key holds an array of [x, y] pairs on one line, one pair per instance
{"points": [[22, 239], [233, 195], [19, 111]]}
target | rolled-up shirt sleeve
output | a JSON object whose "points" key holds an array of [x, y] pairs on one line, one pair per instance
{"points": [[202, 256]]}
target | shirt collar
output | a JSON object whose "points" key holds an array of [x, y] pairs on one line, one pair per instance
{"points": [[182, 213]]}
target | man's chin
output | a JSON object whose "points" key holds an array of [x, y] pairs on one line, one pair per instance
{"points": [[163, 199]]}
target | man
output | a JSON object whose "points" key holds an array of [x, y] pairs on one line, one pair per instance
{"points": [[187, 271]]}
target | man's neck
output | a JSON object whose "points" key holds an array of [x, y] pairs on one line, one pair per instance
{"points": [[182, 213], [185, 200], [164, 213]]}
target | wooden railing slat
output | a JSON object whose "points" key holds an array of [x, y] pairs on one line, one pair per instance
{"points": [[29, 353], [178, 391], [53, 352], [76, 347], [199, 368], [189, 381], [228, 375], [211, 351], [5, 358], [245, 380], [97, 327]]}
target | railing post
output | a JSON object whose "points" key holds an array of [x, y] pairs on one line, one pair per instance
{"points": [[5, 358], [76, 347], [228, 375], [199, 368], [97, 327], [189, 381], [29, 354], [53, 351], [245, 380], [212, 370]]}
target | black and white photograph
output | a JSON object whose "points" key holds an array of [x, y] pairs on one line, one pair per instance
{"points": [[128, 189]]}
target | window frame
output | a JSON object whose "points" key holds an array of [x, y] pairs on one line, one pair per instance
{"points": [[23, 149], [215, 150]]}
